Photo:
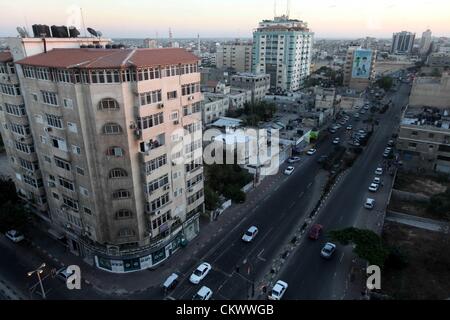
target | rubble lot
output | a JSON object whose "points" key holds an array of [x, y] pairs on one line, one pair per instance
{"points": [[420, 184], [426, 275]]}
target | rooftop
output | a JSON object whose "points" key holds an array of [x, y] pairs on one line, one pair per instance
{"points": [[87, 58], [426, 117], [224, 122], [5, 56]]}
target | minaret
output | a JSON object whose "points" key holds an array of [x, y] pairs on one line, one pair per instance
{"points": [[198, 45]]}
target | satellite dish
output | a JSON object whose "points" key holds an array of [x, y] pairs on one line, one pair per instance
{"points": [[22, 32], [92, 32], [99, 33]]}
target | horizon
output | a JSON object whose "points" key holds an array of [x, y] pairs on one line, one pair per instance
{"points": [[327, 19]]}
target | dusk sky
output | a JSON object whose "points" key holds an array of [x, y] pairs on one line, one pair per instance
{"points": [[229, 18]]}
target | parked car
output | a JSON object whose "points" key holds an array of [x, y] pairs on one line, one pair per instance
{"points": [[390, 143], [278, 290], [288, 171], [349, 127], [171, 282], [311, 152], [328, 250], [250, 234], [379, 171], [63, 274], [14, 236], [374, 187], [294, 159], [200, 273], [315, 231], [377, 180], [336, 140], [370, 203], [204, 293]]}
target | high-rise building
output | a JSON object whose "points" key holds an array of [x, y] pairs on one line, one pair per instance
{"points": [[359, 68], [150, 43], [282, 47], [425, 42], [116, 134], [236, 56], [402, 42]]}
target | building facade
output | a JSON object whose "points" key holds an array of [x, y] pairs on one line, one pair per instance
{"points": [[236, 56], [282, 48], [402, 42], [214, 106], [359, 68], [117, 135], [258, 84], [431, 91], [425, 42]]}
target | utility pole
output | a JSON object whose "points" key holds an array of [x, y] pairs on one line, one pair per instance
{"points": [[38, 271]]}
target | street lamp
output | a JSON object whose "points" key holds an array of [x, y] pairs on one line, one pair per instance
{"points": [[38, 271]]}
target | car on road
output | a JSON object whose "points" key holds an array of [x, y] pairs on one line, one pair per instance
{"points": [[379, 171], [349, 127], [288, 171], [332, 130], [355, 143], [250, 234], [278, 290], [14, 236], [328, 250], [63, 274], [336, 140], [370, 203], [374, 187], [171, 282], [315, 231], [204, 293], [311, 152], [294, 159], [366, 107], [377, 180], [390, 143], [362, 111], [200, 273]]}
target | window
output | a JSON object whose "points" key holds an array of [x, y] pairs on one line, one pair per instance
{"points": [[112, 128], [76, 149], [15, 110], [195, 197], [34, 96], [60, 163], [10, 89], [43, 73], [29, 72], [123, 214], [151, 121], [87, 211], [194, 165], [412, 145], [150, 97], [55, 195], [126, 232], [174, 116], [108, 104], [158, 203], [25, 148], [154, 164], [28, 165], [47, 159], [36, 183], [70, 203], [192, 182], [150, 73], [161, 220], [157, 183], [68, 103], [66, 184], [115, 152], [79, 171], [117, 173], [19, 129], [58, 143], [414, 133], [121, 194], [54, 121], [171, 95], [49, 98], [191, 88]]}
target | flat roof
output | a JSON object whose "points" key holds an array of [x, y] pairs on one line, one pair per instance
{"points": [[90, 58], [5, 56]]}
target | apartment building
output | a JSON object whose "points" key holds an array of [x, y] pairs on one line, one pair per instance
{"points": [[236, 56], [402, 42], [282, 48], [117, 134], [431, 91], [359, 68], [258, 84], [214, 106], [424, 139]]}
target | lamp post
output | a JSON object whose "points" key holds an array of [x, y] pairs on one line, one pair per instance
{"points": [[38, 271]]}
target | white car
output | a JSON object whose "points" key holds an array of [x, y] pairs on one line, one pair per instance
{"points": [[379, 171], [293, 159], [336, 140], [63, 274], [200, 273], [328, 250], [350, 127], [374, 187], [204, 293], [250, 234], [289, 170], [278, 290], [370, 203], [14, 236], [311, 152], [377, 180]]}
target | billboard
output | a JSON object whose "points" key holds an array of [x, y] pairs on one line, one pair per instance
{"points": [[362, 61]]}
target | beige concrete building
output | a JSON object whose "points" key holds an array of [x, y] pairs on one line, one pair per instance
{"points": [[258, 84], [359, 68], [236, 56], [214, 106], [117, 134], [431, 92], [424, 139]]}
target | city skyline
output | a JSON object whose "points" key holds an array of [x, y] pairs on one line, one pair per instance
{"points": [[327, 18]]}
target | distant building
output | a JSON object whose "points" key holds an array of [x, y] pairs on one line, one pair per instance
{"points": [[431, 91], [424, 139], [439, 60], [402, 42], [150, 43], [258, 84], [214, 106], [282, 47], [236, 56], [425, 43], [359, 68]]}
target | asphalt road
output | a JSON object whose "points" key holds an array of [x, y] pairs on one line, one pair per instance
{"points": [[310, 276]]}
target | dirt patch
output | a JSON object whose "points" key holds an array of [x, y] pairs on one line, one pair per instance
{"points": [[425, 185], [426, 275]]}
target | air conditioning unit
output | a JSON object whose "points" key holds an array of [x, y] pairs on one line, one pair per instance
{"points": [[190, 189], [176, 122], [160, 105], [132, 125], [167, 187], [190, 98], [137, 133], [52, 185], [48, 129]]}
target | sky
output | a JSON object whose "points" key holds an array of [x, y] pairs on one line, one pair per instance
{"points": [[229, 18]]}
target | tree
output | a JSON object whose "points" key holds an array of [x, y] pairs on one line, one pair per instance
{"points": [[436, 73], [211, 199], [385, 83], [12, 216], [368, 245]]}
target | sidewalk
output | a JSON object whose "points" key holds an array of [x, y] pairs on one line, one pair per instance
{"points": [[418, 222], [182, 262]]}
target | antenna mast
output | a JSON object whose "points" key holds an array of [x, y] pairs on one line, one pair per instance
{"points": [[288, 9], [274, 8], [82, 19]]}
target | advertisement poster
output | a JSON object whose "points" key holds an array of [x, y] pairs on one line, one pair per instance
{"points": [[361, 64]]}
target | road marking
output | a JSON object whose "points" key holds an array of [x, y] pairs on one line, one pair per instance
{"points": [[309, 185], [301, 194], [342, 257]]}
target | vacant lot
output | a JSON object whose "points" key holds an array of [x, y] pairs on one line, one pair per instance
{"points": [[426, 275], [425, 185]]}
